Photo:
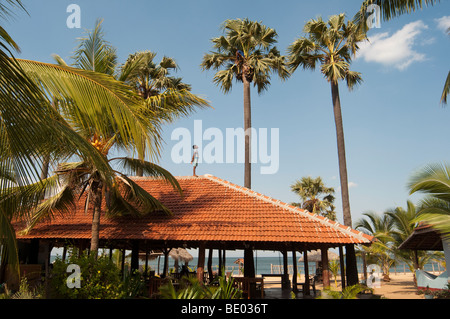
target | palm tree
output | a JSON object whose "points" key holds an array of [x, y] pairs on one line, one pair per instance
{"points": [[247, 54], [380, 227], [405, 221], [433, 181], [166, 96], [446, 89], [390, 9], [316, 197], [30, 128], [95, 54], [332, 44]]}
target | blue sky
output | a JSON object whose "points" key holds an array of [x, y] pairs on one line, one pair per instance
{"points": [[393, 122]]}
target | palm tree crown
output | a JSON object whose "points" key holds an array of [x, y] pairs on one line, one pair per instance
{"points": [[332, 44], [245, 53], [316, 197]]}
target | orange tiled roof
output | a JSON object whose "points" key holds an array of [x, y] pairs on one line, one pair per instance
{"points": [[212, 209]]}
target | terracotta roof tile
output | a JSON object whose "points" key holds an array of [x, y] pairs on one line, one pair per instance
{"points": [[212, 209]]}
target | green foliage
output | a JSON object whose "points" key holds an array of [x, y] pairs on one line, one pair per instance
{"points": [[316, 197], [193, 289], [133, 285], [99, 279], [25, 291], [349, 292]]}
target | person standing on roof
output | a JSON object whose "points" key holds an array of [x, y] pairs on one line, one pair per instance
{"points": [[194, 160]]}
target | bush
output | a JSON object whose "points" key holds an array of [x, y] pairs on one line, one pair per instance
{"points": [[100, 279]]}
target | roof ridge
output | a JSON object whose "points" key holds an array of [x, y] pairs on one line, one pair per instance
{"points": [[176, 177], [323, 220]]}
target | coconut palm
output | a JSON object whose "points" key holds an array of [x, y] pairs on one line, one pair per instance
{"points": [[446, 89], [380, 227], [332, 45], [166, 96], [246, 53], [120, 192], [316, 197], [163, 98], [30, 128], [433, 181], [390, 9], [405, 221]]}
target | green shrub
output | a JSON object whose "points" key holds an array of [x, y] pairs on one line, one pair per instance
{"points": [[100, 279]]}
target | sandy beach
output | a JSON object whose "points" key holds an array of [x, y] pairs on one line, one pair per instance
{"points": [[400, 286]]}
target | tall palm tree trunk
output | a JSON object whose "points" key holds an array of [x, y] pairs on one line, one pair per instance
{"points": [[351, 268], [97, 201], [247, 128], [249, 265]]}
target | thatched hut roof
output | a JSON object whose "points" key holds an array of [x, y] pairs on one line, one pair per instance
{"points": [[316, 256]]}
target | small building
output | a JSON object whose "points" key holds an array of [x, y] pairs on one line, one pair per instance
{"points": [[212, 214], [425, 237]]}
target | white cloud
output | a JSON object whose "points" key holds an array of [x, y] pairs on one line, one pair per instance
{"points": [[443, 23], [395, 50], [352, 184]]}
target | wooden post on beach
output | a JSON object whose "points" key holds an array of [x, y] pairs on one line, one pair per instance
{"points": [[306, 290], [201, 262], [342, 266], [134, 256], [285, 282], [294, 273], [210, 271], [325, 269]]}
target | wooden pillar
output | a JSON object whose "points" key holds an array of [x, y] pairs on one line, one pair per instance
{"points": [[122, 266], [210, 272], [306, 290], [294, 275], [135, 256], [201, 262], [146, 259], [166, 261], [342, 266], [224, 263], [286, 282], [64, 253], [219, 271], [325, 269]]}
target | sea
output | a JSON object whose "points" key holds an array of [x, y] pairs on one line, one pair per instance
{"points": [[274, 265], [264, 265]]}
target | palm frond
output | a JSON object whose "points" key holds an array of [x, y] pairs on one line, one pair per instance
{"points": [[433, 180], [132, 165], [446, 89], [96, 96], [128, 198]]}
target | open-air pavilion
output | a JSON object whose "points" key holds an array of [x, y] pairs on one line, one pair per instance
{"points": [[212, 214], [425, 237]]}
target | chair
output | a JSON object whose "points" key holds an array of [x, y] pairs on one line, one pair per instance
{"points": [[312, 284], [153, 286], [243, 283]]}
